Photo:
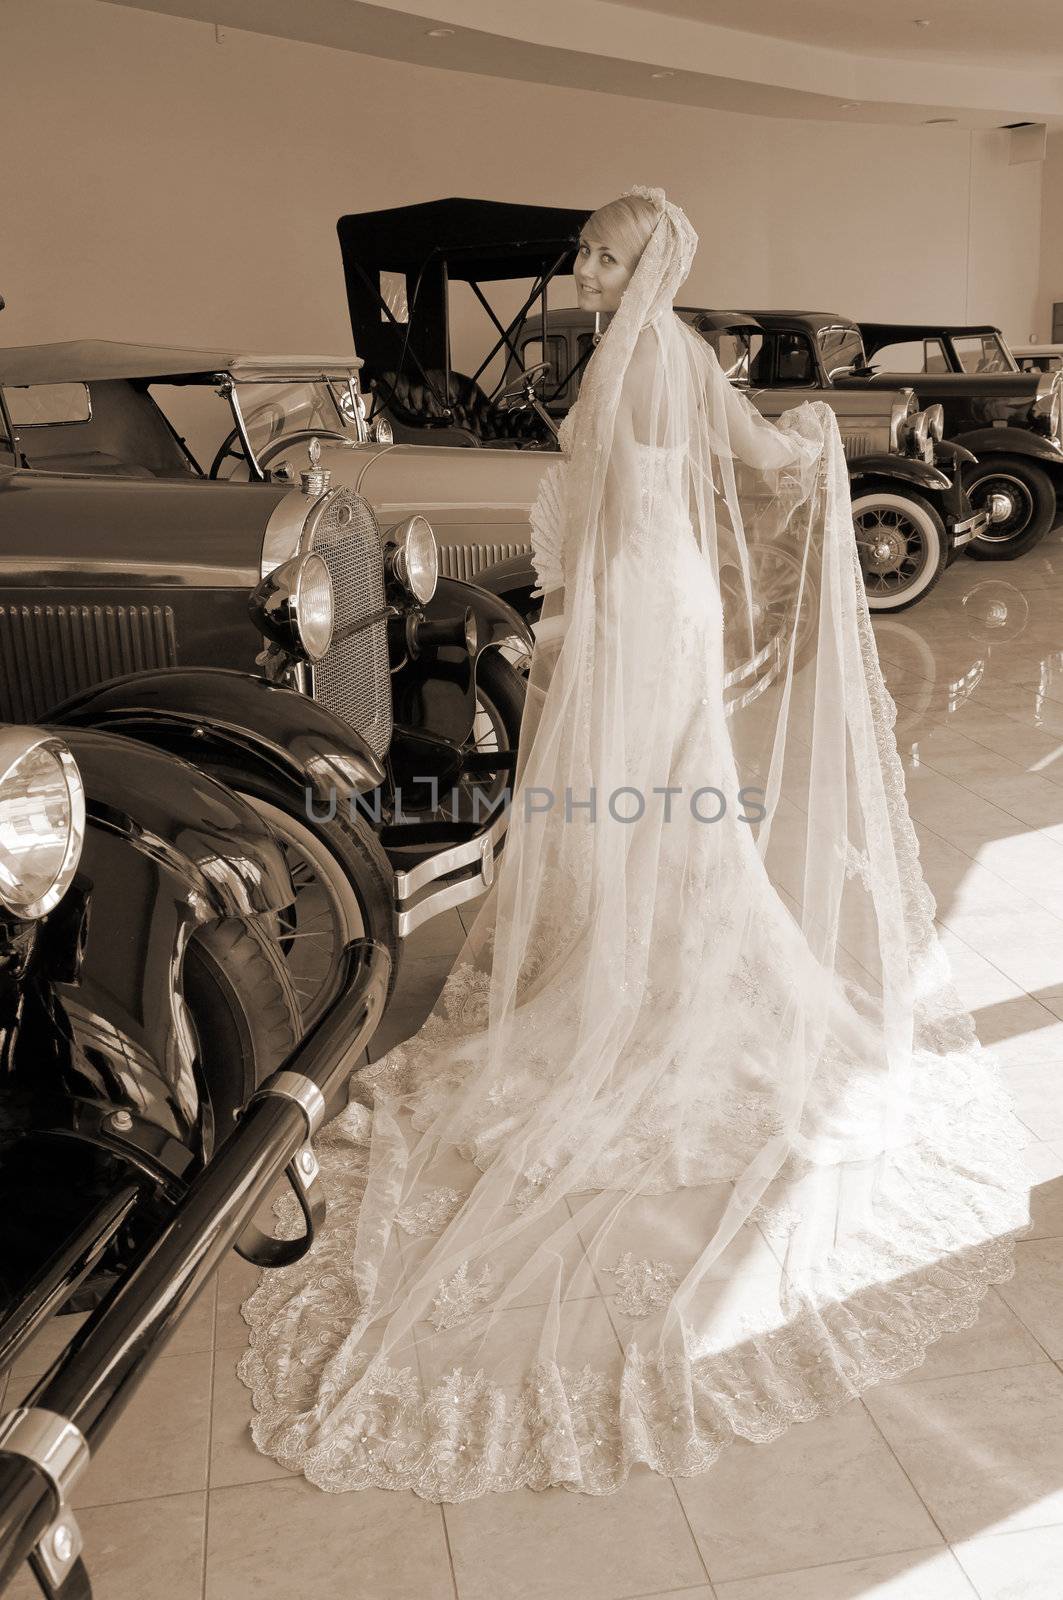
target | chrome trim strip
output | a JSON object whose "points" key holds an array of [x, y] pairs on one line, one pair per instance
{"points": [[448, 861]]}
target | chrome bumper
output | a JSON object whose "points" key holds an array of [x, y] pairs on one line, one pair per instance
{"points": [[963, 532], [460, 872]]}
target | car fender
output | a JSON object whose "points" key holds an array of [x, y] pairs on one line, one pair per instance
{"points": [[1014, 442], [205, 713], [166, 849], [920, 474], [511, 581]]}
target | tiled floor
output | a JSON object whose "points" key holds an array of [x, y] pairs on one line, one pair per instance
{"points": [[945, 1486]]}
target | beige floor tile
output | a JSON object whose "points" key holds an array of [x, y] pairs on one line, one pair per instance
{"points": [[1023, 1032], [138, 1550], [237, 1279], [704, 1591], [984, 1450], [826, 1490], [234, 1457], [556, 1545], [1035, 1293], [1015, 1566], [914, 1575], [270, 1541], [159, 1444], [1037, 1089], [1044, 1163], [1023, 943]]}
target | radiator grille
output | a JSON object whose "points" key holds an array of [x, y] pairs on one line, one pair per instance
{"points": [[354, 679], [49, 652], [465, 560]]}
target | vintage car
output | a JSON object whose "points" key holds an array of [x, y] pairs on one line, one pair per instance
{"points": [[375, 731], [911, 514], [1038, 357], [154, 1086], [1012, 420]]}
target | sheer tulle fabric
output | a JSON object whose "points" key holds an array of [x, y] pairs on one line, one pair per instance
{"points": [[698, 1141]]}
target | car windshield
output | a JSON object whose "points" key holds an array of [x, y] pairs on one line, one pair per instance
{"points": [[273, 411], [983, 352], [201, 414], [840, 347]]}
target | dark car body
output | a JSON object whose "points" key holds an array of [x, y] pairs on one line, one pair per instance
{"points": [[118, 1107], [139, 563], [1012, 419]]}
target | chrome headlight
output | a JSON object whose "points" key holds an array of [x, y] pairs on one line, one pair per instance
{"points": [[917, 436], [900, 411], [1048, 403], [935, 421], [295, 606], [42, 821], [415, 560]]}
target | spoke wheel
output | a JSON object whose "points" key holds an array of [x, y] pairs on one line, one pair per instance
{"points": [[500, 695], [901, 540]]}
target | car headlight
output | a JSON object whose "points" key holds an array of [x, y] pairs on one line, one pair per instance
{"points": [[42, 821], [382, 432], [900, 411], [415, 561], [295, 606], [917, 436], [935, 421]]}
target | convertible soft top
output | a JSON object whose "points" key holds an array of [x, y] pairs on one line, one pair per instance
{"points": [[431, 245], [92, 360], [480, 239]]}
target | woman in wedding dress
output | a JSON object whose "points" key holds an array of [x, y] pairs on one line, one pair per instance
{"points": [[698, 1141]]}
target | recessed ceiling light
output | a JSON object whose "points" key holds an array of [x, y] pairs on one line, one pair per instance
{"points": [[921, 22], [440, 33], [662, 74]]}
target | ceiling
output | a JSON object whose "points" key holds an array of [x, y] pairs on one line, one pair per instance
{"points": [[1028, 34], [979, 65]]}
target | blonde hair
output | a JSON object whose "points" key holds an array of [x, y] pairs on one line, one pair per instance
{"points": [[626, 223]]}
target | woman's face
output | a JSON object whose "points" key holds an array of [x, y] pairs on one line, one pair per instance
{"points": [[602, 273]]}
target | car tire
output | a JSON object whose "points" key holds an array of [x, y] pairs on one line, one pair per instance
{"points": [[345, 886], [244, 1010], [1034, 497], [906, 519]]}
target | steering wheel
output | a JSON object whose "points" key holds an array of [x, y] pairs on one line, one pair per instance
{"points": [[275, 448], [514, 397]]}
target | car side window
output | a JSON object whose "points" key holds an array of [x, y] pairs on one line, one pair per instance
{"points": [[794, 362], [911, 355]]}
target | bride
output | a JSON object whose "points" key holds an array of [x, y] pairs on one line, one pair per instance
{"points": [[698, 1141]]}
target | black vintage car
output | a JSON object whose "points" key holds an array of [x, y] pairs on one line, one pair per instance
{"points": [[153, 1084], [364, 700], [1012, 420]]}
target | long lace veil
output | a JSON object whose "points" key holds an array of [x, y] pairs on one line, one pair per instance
{"points": [[698, 1140]]}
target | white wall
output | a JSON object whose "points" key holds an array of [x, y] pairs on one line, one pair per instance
{"points": [[161, 187], [1051, 277]]}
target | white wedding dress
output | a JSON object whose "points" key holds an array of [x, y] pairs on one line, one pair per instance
{"points": [[697, 1141]]}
